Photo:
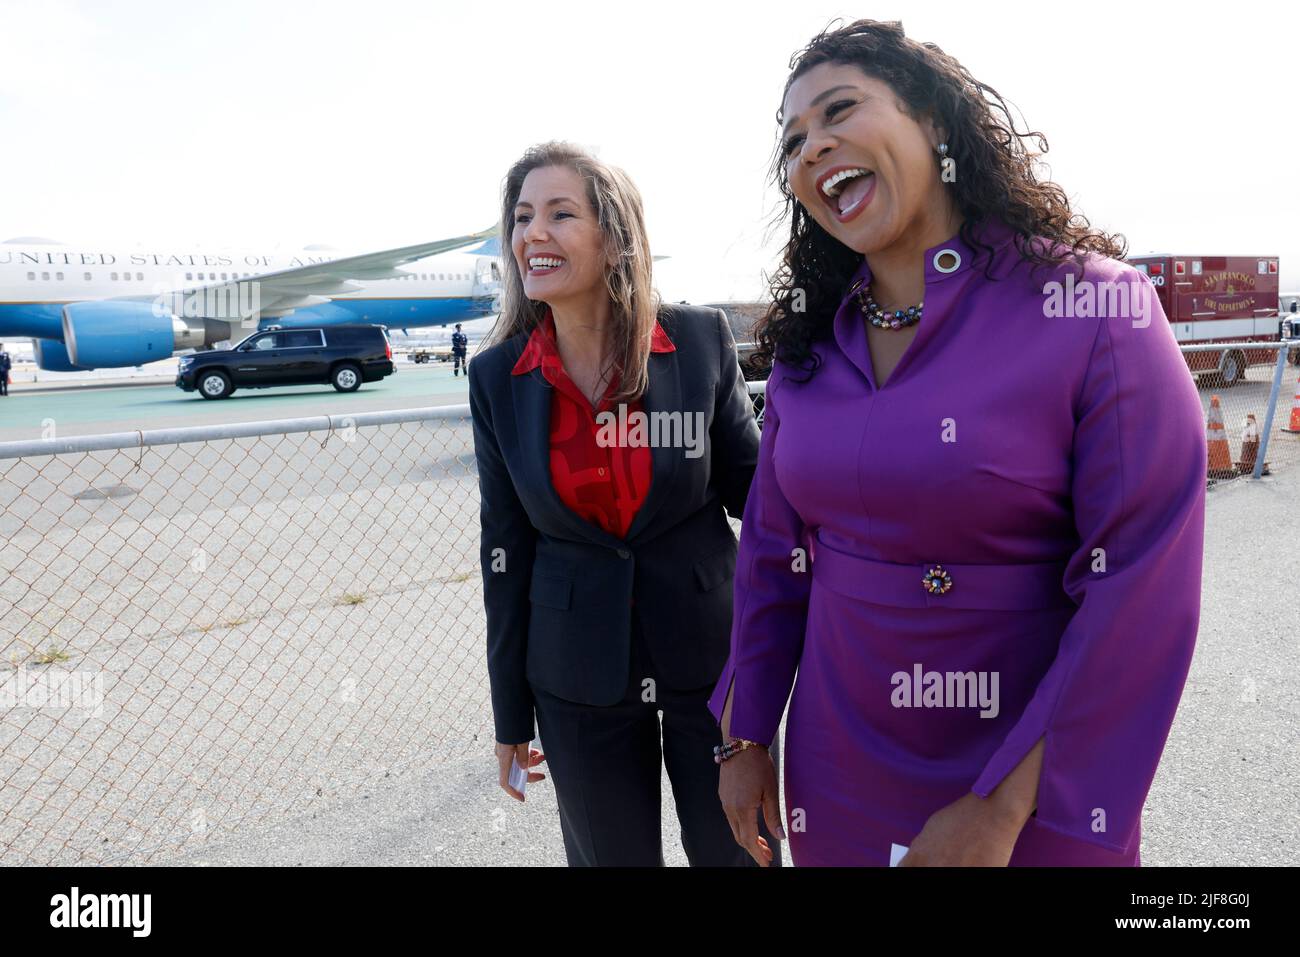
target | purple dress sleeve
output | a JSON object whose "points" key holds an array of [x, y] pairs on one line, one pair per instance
{"points": [[772, 583], [1107, 701]]}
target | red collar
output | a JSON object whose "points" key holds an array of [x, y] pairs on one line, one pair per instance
{"points": [[541, 345]]}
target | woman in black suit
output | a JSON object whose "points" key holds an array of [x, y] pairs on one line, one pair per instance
{"points": [[612, 435]]}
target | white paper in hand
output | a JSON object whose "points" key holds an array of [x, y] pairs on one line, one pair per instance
{"points": [[518, 776], [896, 852]]}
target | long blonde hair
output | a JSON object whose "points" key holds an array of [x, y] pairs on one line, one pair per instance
{"points": [[633, 300]]}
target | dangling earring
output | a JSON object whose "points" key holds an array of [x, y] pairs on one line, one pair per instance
{"points": [[942, 150]]}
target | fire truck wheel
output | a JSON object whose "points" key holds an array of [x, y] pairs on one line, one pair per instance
{"points": [[1232, 371]]}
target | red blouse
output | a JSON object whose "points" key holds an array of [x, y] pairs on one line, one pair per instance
{"points": [[604, 485]]}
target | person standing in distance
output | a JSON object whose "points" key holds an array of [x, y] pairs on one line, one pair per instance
{"points": [[459, 346]]}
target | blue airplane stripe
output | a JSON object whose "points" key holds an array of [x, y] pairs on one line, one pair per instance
{"points": [[45, 320]]}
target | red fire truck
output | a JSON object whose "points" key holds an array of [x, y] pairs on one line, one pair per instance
{"points": [[1218, 299]]}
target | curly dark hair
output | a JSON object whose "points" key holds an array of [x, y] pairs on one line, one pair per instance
{"points": [[997, 180]]}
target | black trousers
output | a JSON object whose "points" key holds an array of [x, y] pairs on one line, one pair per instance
{"points": [[4, 383], [457, 360], [605, 765]]}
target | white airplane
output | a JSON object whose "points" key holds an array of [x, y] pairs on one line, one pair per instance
{"points": [[92, 308]]}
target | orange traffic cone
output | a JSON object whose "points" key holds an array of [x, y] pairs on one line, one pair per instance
{"points": [[1216, 440], [1250, 447], [1294, 424]]}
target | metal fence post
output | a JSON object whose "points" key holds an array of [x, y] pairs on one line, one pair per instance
{"points": [[1272, 405]]}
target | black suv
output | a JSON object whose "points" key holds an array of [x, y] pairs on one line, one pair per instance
{"points": [[344, 356]]}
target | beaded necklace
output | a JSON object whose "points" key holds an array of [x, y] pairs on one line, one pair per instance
{"points": [[899, 319]]}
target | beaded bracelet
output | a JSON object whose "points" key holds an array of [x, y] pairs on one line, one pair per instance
{"points": [[722, 752]]}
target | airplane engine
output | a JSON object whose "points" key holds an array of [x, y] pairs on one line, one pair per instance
{"points": [[52, 357], [115, 334]]}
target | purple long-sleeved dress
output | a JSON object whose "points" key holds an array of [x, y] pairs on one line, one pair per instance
{"points": [[1054, 466]]}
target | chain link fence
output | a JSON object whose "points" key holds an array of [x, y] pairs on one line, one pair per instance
{"points": [[204, 628], [1266, 384]]}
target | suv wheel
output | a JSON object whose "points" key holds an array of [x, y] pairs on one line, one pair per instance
{"points": [[346, 378], [214, 385]]}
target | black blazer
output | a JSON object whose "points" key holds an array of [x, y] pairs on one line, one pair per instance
{"points": [[558, 589]]}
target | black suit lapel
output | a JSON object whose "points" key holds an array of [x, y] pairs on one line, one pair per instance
{"points": [[532, 401], [663, 394]]}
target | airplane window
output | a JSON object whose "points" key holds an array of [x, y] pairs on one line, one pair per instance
{"points": [[223, 275], [59, 276], [113, 276], [45, 275], [189, 276], [31, 276], [140, 276], [87, 277]]}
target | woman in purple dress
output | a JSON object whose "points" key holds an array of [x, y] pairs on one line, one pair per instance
{"points": [[976, 526]]}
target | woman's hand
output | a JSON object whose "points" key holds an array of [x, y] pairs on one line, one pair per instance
{"points": [[746, 783], [527, 758], [970, 832]]}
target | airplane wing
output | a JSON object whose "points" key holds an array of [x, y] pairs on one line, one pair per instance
{"points": [[380, 265], [284, 290]]}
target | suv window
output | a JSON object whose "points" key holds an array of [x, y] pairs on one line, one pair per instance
{"points": [[351, 337], [300, 338], [270, 340]]}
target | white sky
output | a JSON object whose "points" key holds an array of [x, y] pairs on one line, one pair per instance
{"points": [[375, 124]]}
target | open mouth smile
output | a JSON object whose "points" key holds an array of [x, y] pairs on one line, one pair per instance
{"points": [[846, 190], [544, 265]]}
